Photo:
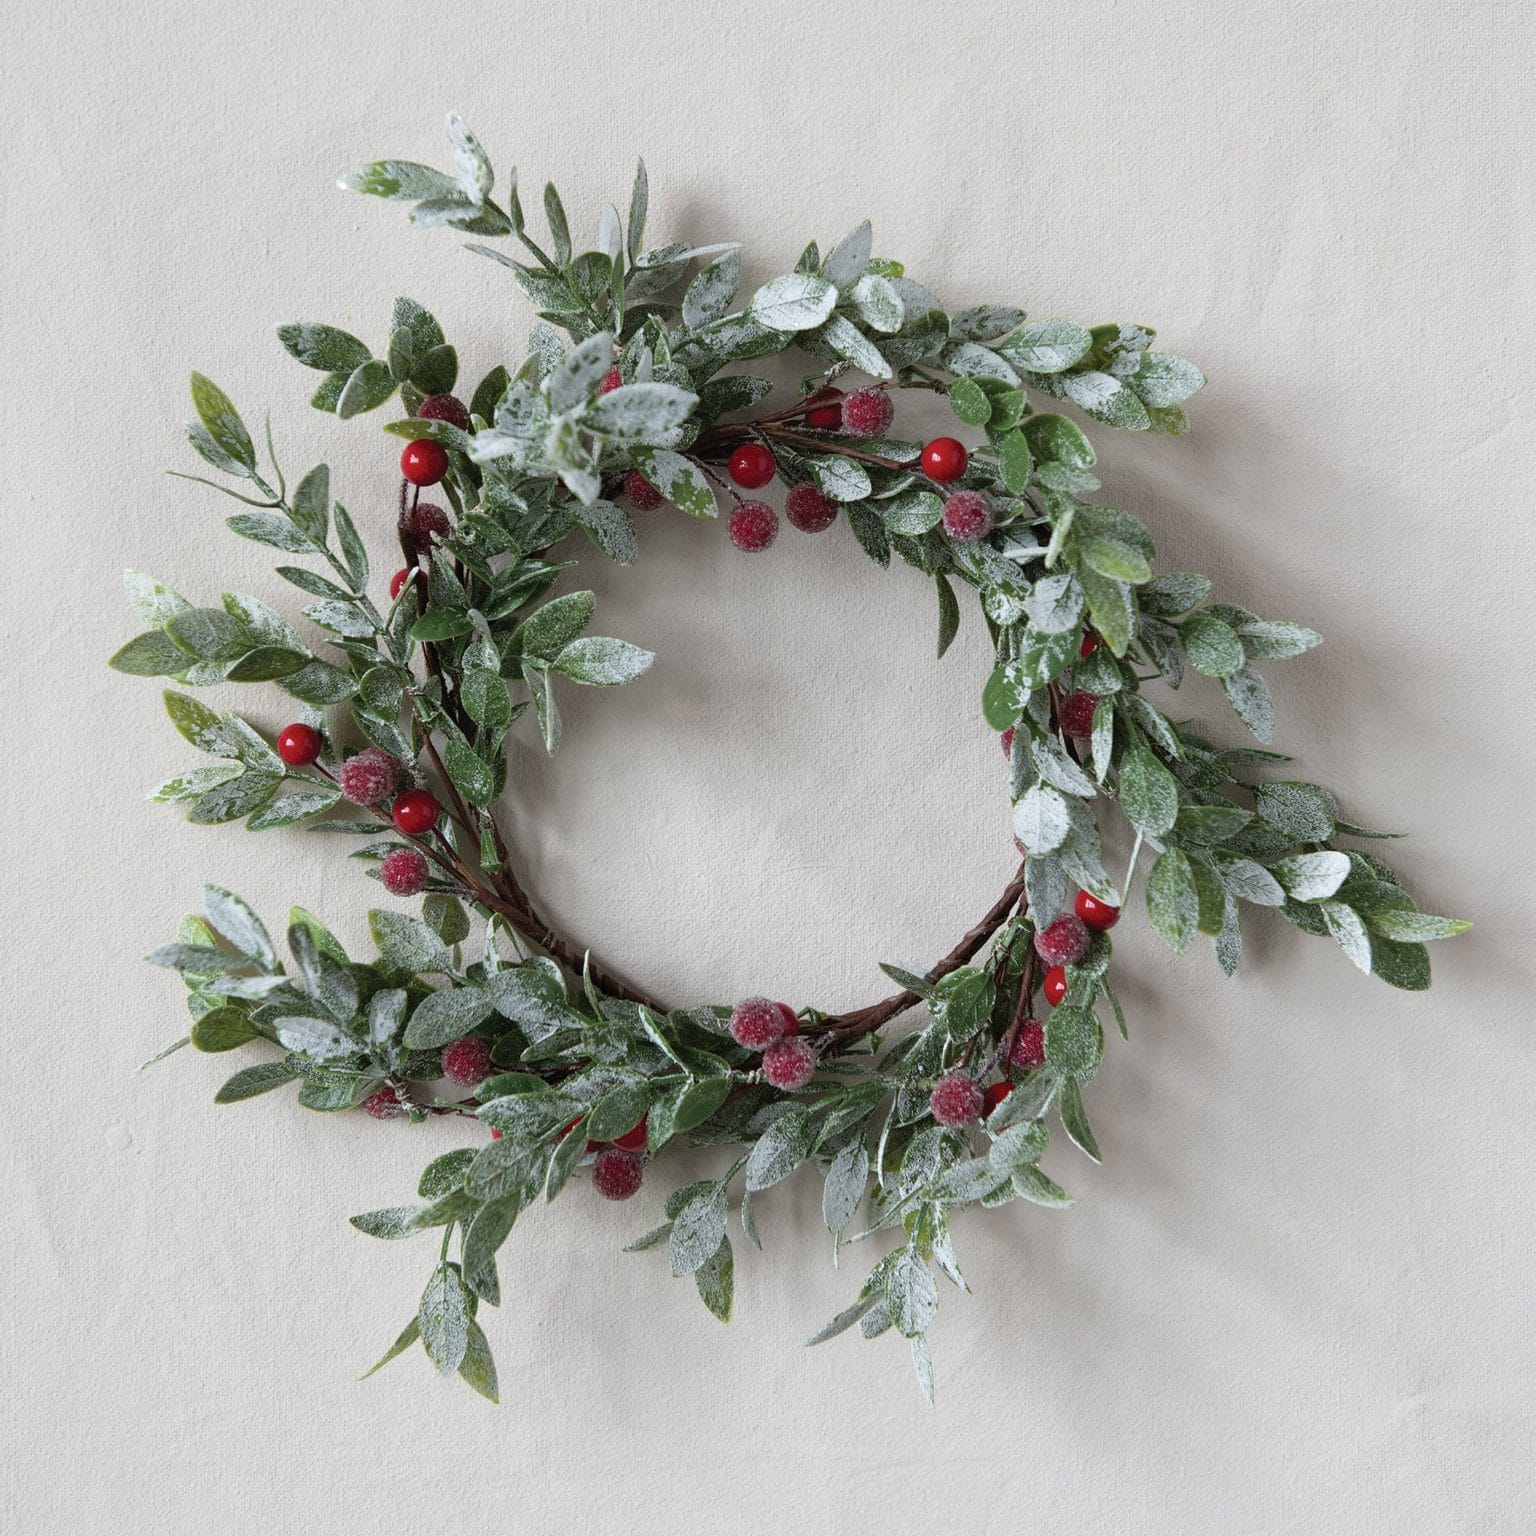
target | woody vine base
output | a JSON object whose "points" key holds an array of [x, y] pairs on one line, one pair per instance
{"points": [[478, 1007]]}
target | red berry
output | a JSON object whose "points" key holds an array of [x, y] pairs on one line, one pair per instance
{"points": [[565, 1130], [643, 496], [968, 516], [370, 776], [757, 1023], [808, 510], [1096, 914], [868, 412], [956, 1100], [416, 811], [616, 1175], [1076, 713], [826, 414], [397, 582], [634, 1139], [1090, 644], [611, 381], [1064, 941], [429, 523], [752, 466], [995, 1094], [467, 1061], [791, 1021], [1055, 985], [1028, 1047], [298, 745], [945, 459], [384, 1105], [753, 526], [447, 408], [403, 872], [424, 462], [1007, 740], [495, 1135], [790, 1063]]}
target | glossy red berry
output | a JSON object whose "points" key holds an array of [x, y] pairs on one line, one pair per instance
{"points": [[634, 1139], [1007, 741], [1098, 915], [756, 1022], [385, 1105], [753, 526], [945, 459], [611, 381], [643, 496], [1090, 644], [995, 1094], [1055, 986], [1063, 941], [868, 412], [808, 510], [826, 410], [467, 1062], [789, 1064], [956, 1100], [616, 1175], [429, 523], [495, 1135], [368, 777], [968, 516], [447, 408], [1076, 713], [415, 812], [403, 872], [751, 466], [424, 462], [1028, 1047], [397, 583], [298, 745]]}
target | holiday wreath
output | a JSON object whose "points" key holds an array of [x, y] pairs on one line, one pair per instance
{"points": [[404, 724]]}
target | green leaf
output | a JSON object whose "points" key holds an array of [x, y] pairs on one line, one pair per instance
{"points": [[222, 422], [1111, 607], [1046, 346], [152, 654], [273, 530], [548, 629], [709, 295], [962, 1002], [1413, 927], [153, 601], [472, 776], [1015, 461], [1249, 696], [440, 624], [1212, 646], [781, 1148], [640, 412], [602, 661], [367, 387], [912, 512], [324, 347], [1041, 819], [843, 1192], [477, 1368], [1173, 903], [697, 1231], [1302, 811], [1313, 876], [1163, 380], [850, 343], [444, 1319], [716, 1281], [911, 1294], [407, 942], [251, 1081], [1058, 440], [1405, 966], [795, 302], [222, 1029], [839, 478], [398, 180], [442, 1017], [949, 613], [970, 402], [320, 684], [679, 480], [408, 1336], [1149, 794], [234, 922], [1115, 560], [1074, 1119], [1074, 1042]]}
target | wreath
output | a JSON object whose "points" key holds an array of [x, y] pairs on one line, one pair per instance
{"points": [[478, 1007]]}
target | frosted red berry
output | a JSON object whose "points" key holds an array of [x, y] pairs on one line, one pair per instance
{"points": [[369, 777], [1097, 914], [1055, 985], [945, 459], [751, 466], [429, 522], [1090, 644], [753, 526], [826, 410], [1028, 1046], [298, 745], [424, 462], [384, 1105], [447, 408], [809, 510], [643, 496], [868, 412], [1076, 713], [956, 1100], [415, 812], [1063, 941], [995, 1094], [611, 381], [756, 1022], [616, 1175], [635, 1138], [791, 1021], [790, 1063], [403, 872], [968, 516], [397, 582], [467, 1061], [1006, 739]]}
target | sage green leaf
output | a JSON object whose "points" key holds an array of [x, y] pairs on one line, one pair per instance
{"points": [[1149, 794], [911, 1294], [191, 785], [1211, 646], [1163, 380], [1249, 881], [679, 480], [795, 302], [477, 1369], [1302, 811], [850, 343], [1174, 594], [912, 512], [1058, 440], [961, 1003], [781, 1148], [1015, 462], [1041, 819], [697, 1231], [1405, 966], [1046, 346], [716, 1281], [251, 1081], [397, 180], [1038, 1189], [1271, 640], [847, 260], [970, 402], [838, 477], [236, 798], [222, 1029], [709, 295], [878, 304], [320, 684], [472, 776], [234, 921], [1313, 876], [443, 1017], [324, 346], [1414, 927], [1249, 696], [1044, 657], [153, 601], [843, 1191], [1173, 904], [1074, 1119], [1118, 561], [1074, 1042], [407, 943], [602, 661], [273, 530], [1112, 608], [266, 665], [367, 387], [949, 614], [444, 1319], [222, 422], [640, 412], [844, 1320], [152, 654]]}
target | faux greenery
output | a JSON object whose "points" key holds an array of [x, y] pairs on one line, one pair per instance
{"points": [[475, 646]]}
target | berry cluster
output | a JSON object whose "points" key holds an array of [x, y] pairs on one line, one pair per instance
{"points": [[760, 1024]]}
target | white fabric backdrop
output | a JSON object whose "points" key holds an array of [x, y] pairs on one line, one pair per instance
{"points": [[1296, 1296]]}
